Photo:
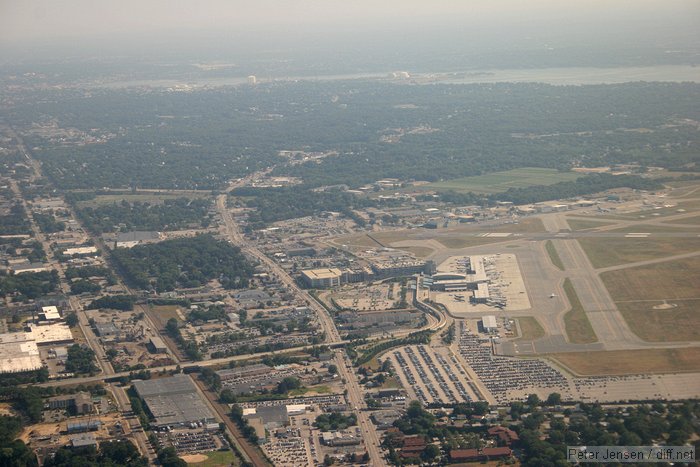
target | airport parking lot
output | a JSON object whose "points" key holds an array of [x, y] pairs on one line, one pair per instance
{"points": [[509, 378], [431, 375]]}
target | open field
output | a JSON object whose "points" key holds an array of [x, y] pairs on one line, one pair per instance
{"points": [[578, 327], [585, 224], [419, 251], [527, 225], [686, 220], [663, 321], [461, 236], [361, 241], [530, 328], [671, 280], [501, 181], [690, 205], [212, 459], [467, 241], [165, 312], [653, 228], [631, 362], [553, 255], [604, 252]]}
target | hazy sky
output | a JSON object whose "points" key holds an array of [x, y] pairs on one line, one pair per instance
{"points": [[28, 20], [32, 29]]}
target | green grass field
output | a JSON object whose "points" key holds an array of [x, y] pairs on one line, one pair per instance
{"points": [[670, 280], [577, 325], [498, 182], [604, 252], [530, 328], [654, 228], [553, 255], [659, 321], [686, 220], [631, 362], [218, 459], [584, 224]]}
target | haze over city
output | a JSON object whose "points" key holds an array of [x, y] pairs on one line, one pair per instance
{"points": [[314, 233]]}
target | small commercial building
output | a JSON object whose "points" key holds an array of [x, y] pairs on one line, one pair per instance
{"points": [[340, 438], [84, 426], [83, 441], [49, 313], [106, 329], [80, 251], [29, 267], [80, 402], [157, 345]]}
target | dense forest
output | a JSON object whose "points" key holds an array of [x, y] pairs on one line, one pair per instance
{"points": [[184, 263], [149, 138], [172, 214]]}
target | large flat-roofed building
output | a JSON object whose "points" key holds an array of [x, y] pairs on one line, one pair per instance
{"points": [[57, 333], [173, 401], [18, 353], [481, 294], [322, 278], [397, 266]]}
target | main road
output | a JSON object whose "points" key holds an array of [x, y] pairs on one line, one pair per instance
{"points": [[354, 391]]}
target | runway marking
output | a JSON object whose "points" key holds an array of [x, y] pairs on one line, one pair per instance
{"points": [[496, 234]]}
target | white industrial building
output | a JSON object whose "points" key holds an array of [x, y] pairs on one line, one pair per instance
{"points": [[489, 323]]}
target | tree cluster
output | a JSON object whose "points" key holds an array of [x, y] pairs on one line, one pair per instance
{"points": [[81, 359], [29, 285], [183, 263], [113, 453], [172, 214], [335, 421], [115, 302]]}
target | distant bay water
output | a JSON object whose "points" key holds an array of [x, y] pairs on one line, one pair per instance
{"points": [[555, 76]]}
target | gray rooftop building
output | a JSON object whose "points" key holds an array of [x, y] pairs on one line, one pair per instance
{"points": [[173, 401]]}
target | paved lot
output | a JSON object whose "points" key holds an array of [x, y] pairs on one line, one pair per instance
{"points": [[432, 375]]}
